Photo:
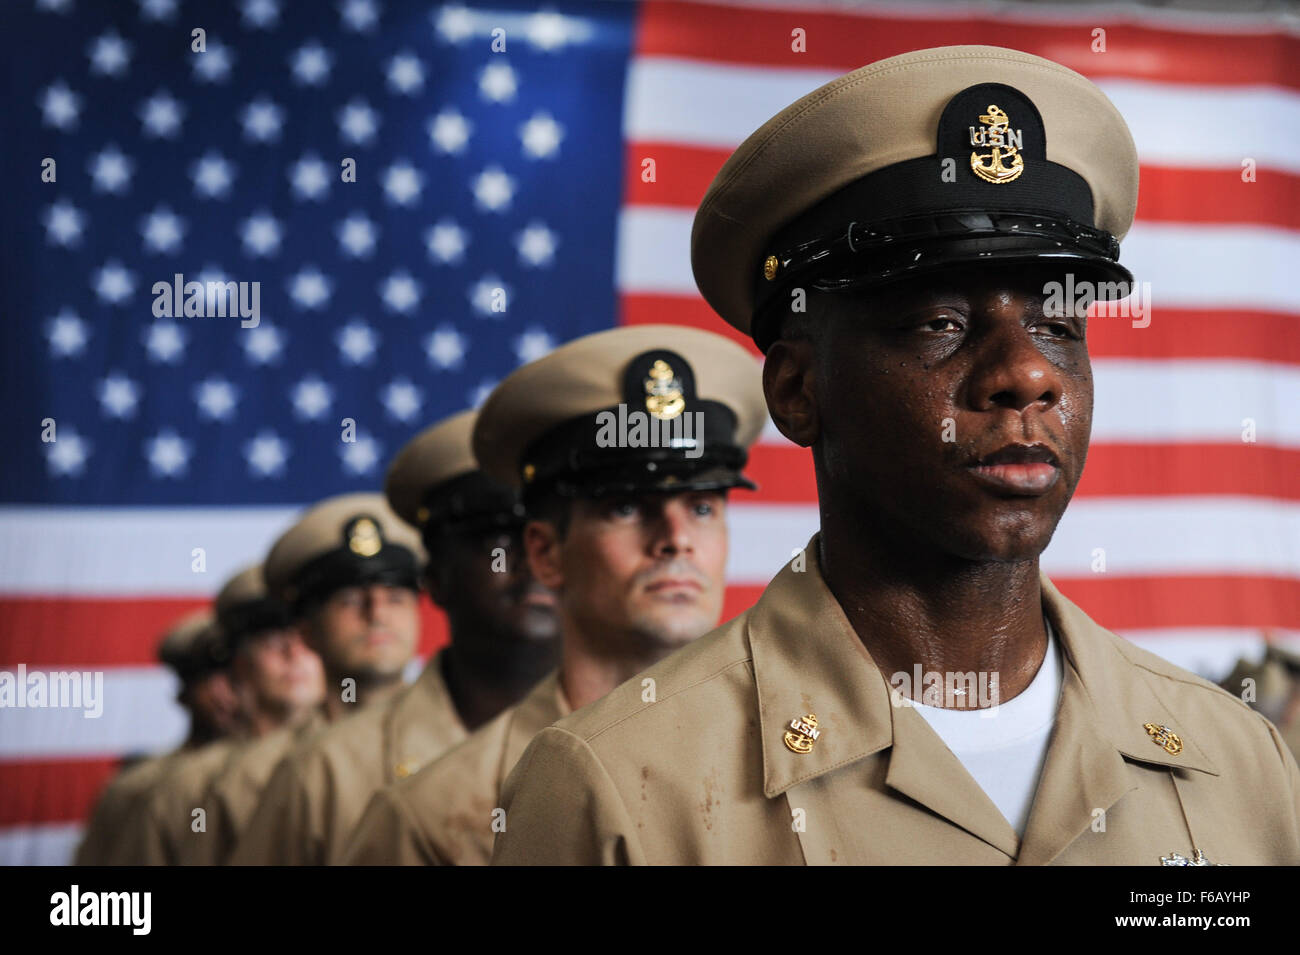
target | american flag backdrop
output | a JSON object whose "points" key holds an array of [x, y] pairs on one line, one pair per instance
{"points": [[502, 156]]}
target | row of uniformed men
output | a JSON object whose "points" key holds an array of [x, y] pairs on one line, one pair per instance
{"points": [[887, 241], [626, 566]]}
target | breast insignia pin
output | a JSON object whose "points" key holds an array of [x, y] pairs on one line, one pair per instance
{"points": [[802, 734], [1198, 858], [1164, 736]]}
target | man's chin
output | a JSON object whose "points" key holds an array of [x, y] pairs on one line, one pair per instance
{"points": [[676, 630]]}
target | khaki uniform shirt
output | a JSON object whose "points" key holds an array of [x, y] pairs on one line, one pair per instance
{"points": [[319, 791], [234, 792], [160, 830], [445, 813], [703, 775], [100, 844]]}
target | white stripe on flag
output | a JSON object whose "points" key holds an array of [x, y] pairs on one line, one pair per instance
{"points": [[40, 845], [140, 714], [1173, 534], [712, 105], [123, 552], [1188, 266], [1140, 536]]}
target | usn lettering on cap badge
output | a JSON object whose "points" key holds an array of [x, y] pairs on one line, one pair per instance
{"points": [[802, 734], [1164, 736], [663, 392], [364, 538], [1003, 163]]}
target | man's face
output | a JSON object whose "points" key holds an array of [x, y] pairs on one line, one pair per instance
{"points": [[483, 581], [368, 632], [917, 385], [650, 566], [212, 702], [279, 671]]}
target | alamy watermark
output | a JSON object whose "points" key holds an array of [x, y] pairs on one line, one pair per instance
{"points": [[57, 689], [1117, 299], [969, 690], [180, 298], [640, 429]]}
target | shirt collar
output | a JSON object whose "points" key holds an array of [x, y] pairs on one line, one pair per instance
{"points": [[808, 659]]}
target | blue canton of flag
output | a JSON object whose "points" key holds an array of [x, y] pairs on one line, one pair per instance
{"points": [[478, 235]]}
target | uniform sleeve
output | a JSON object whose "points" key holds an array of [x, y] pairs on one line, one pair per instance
{"points": [[279, 832], [1292, 773], [385, 836], [562, 808], [105, 828], [143, 840]]}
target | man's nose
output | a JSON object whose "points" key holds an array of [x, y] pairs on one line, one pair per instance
{"points": [[672, 531], [1012, 371]]}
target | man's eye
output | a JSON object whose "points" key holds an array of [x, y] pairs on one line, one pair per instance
{"points": [[704, 508], [1056, 329], [942, 324], [623, 509]]}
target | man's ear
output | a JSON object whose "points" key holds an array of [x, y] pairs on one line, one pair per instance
{"points": [[309, 627], [542, 546], [788, 385]]}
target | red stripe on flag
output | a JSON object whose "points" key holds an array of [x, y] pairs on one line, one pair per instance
{"points": [[1184, 333], [1127, 470], [51, 791], [762, 36], [1141, 603], [1172, 333], [784, 472], [51, 632], [682, 175], [691, 310]]}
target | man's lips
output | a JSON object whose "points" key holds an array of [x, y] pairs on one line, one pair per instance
{"points": [[1026, 479], [536, 597], [1023, 469], [379, 638], [665, 584]]}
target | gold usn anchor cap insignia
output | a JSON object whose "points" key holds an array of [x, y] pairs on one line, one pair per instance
{"points": [[663, 392], [1164, 736], [802, 734], [1003, 162], [364, 538]]}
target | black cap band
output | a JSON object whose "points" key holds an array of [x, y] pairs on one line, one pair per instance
{"points": [[363, 557], [241, 621], [661, 438], [470, 503]]}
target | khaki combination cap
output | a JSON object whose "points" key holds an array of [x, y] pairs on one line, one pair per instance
{"points": [[567, 422], [341, 542], [912, 164], [434, 482], [245, 608], [191, 646]]}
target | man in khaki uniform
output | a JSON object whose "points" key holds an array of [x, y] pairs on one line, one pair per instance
{"points": [[280, 684], [633, 540], [348, 570], [155, 829], [1273, 689], [207, 696], [503, 639], [891, 242]]}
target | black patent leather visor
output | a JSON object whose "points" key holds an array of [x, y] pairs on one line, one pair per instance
{"points": [[870, 254]]}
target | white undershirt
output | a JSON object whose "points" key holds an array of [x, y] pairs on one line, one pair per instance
{"points": [[1003, 748]]}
